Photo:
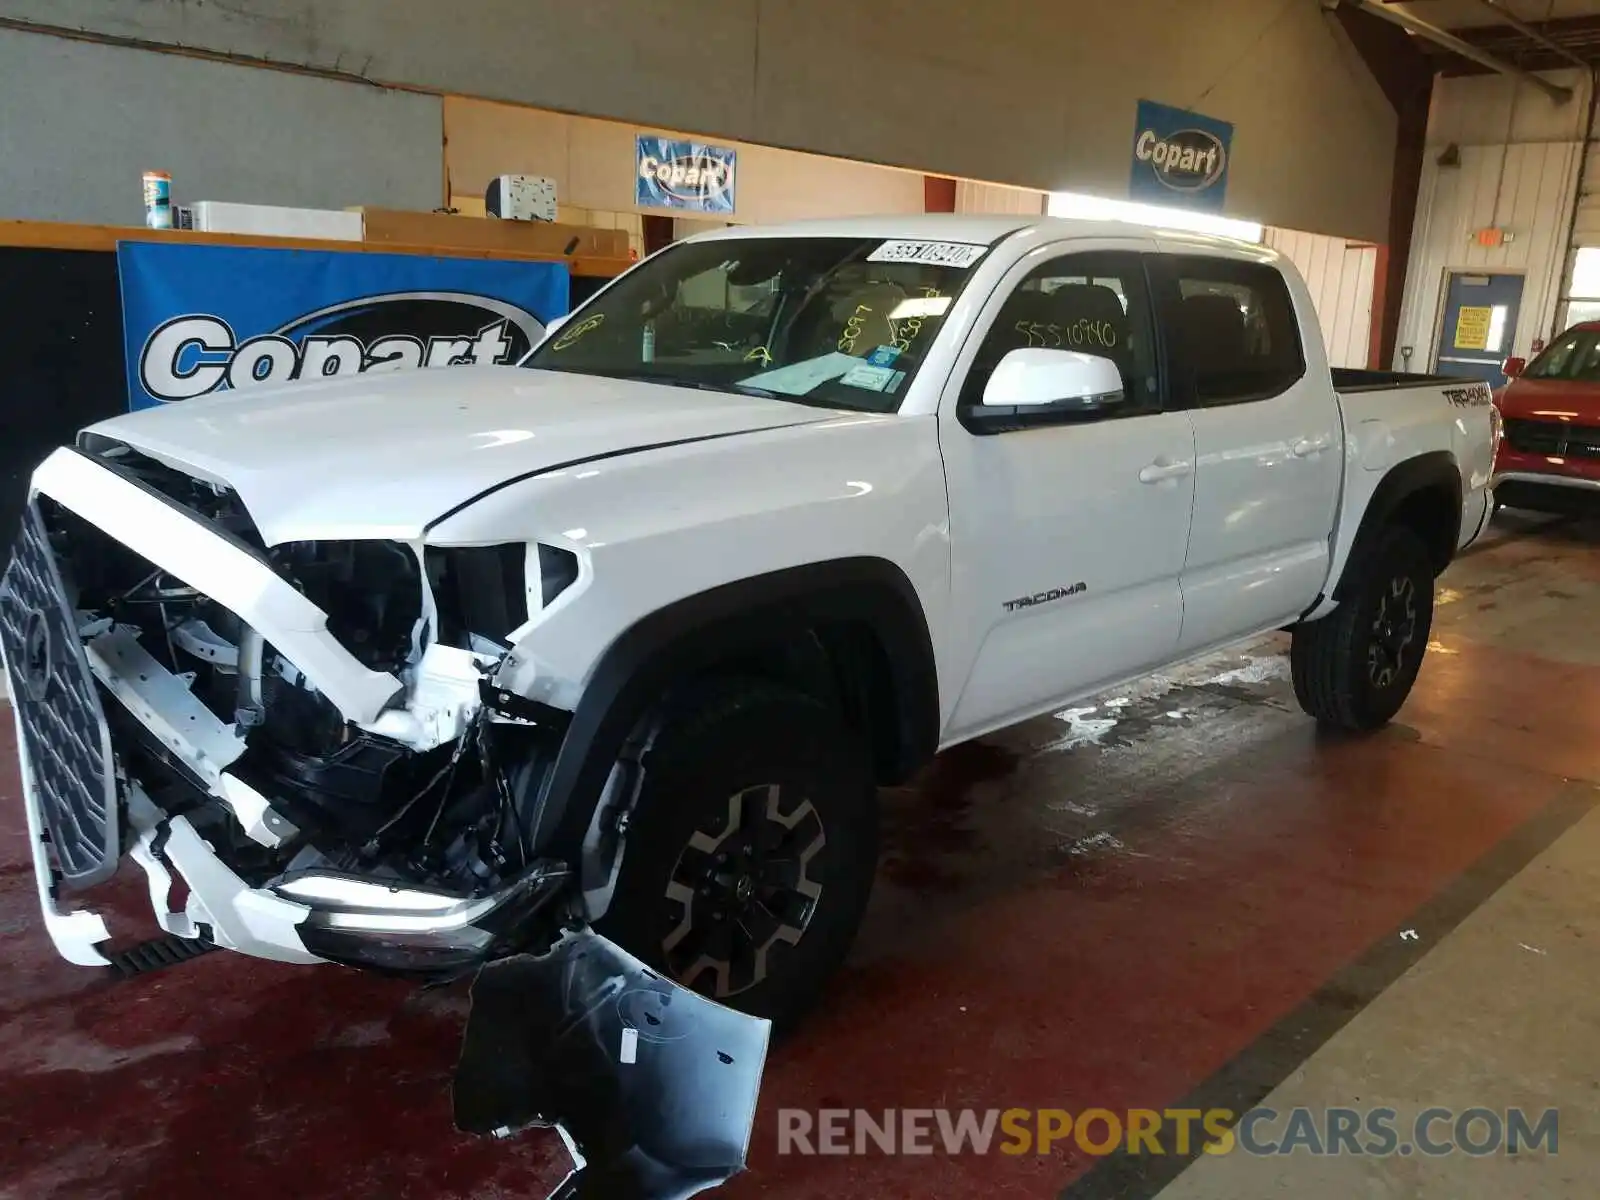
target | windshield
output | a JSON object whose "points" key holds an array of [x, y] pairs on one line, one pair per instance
{"points": [[1574, 355], [838, 322]]}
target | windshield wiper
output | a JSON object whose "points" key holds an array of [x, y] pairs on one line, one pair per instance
{"points": [[748, 389], [698, 385]]}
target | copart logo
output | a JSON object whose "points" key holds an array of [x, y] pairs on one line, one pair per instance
{"points": [[192, 355], [1190, 160], [694, 178]]}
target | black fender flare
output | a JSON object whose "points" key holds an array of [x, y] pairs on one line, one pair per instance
{"points": [[697, 631], [1434, 471]]}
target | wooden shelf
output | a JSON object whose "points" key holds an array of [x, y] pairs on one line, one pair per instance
{"points": [[55, 235]]}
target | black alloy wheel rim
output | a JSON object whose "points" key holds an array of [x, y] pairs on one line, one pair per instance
{"points": [[744, 885], [1394, 629]]}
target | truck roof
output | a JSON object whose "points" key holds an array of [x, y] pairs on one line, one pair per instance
{"points": [[977, 228]]}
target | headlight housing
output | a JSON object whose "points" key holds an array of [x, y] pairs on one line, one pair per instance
{"points": [[489, 591], [371, 591]]}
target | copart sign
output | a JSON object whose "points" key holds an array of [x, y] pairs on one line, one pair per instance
{"points": [[204, 319], [1180, 158], [692, 176]]}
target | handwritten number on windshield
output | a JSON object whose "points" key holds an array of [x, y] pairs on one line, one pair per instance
{"points": [[853, 327]]}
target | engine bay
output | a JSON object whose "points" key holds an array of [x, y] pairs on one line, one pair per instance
{"points": [[446, 809]]}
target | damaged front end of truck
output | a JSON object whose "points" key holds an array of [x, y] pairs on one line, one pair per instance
{"points": [[330, 751]]}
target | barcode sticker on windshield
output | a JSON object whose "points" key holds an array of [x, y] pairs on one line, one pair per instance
{"points": [[937, 254]]}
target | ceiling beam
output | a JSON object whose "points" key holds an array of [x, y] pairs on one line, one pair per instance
{"points": [[1577, 36], [1396, 15], [1530, 32]]}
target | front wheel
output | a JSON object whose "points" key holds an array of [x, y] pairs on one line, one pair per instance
{"points": [[1354, 668], [751, 851]]}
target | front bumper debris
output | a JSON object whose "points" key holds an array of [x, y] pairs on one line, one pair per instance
{"points": [[652, 1086]]}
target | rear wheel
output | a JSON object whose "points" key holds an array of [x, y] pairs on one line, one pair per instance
{"points": [[1354, 668], [751, 850]]}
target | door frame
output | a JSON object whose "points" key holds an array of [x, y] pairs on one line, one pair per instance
{"points": [[1442, 307], [975, 628]]}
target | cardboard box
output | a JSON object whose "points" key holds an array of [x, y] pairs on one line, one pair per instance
{"points": [[271, 220]]}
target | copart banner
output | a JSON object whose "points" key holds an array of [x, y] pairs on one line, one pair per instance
{"points": [[199, 319], [1180, 158], [692, 176]]}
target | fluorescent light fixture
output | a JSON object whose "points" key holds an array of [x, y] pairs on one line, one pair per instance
{"points": [[931, 306], [1096, 208]]}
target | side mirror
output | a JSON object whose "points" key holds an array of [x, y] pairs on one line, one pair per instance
{"points": [[1512, 367], [1049, 387]]}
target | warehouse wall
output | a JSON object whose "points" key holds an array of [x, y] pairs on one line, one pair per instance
{"points": [[995, 198], [1011, 91], [592, 163], [80, 122], [1340, 276], [1519, 156]]}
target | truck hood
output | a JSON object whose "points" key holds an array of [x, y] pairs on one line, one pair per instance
{"points": [[385, 455], [1551, 400]]}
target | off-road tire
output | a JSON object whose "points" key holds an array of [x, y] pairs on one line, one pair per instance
{"points": [[1350, 671], [722, 751]]}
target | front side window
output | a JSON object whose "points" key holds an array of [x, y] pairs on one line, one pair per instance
{"points": [[1095, 303], [1235, 330], [1575, 355], [836, 322]]}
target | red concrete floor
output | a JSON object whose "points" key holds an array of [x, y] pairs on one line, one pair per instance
{"points": [[1093, 911]]}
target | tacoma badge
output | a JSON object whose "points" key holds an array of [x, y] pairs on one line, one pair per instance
{"points": [[1060, 593]]}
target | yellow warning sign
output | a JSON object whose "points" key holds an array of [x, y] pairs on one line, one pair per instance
{"points": [[1472, 328]]}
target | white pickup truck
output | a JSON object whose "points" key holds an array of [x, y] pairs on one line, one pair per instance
{"points": [[406, 670]]}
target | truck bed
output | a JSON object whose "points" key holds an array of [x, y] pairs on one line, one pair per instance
{"points": [[1352, 379]]}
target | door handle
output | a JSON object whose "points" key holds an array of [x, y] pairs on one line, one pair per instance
{"points": [[1160, 472], [1306, 447]]}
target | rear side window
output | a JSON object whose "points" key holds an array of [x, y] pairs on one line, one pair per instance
{"points": [[1234, 331]]}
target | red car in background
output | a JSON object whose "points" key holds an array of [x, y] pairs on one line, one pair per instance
{"points": [[1549, 458]]}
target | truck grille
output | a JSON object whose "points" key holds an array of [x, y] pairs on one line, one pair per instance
{"points": [[62, 725], [1553, 437]]}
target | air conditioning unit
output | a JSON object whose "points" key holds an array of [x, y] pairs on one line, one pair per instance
{"points": [[521, 198]]}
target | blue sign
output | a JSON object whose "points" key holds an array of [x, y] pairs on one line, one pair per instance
{"points": [[199, 319], [691, 176], [1180, 158]]}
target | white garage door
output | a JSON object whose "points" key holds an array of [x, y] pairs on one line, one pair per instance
{"points": [[1580, 292]]}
